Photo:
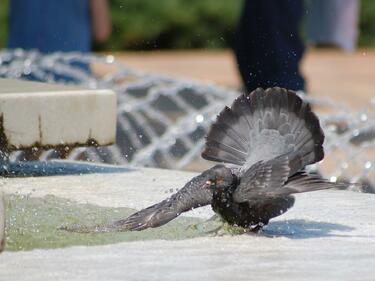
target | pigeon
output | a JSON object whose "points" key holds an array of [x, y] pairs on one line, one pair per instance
{"points": [[263, 143]]}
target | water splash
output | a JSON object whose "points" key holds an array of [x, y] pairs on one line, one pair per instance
{"points": [[162, 121], [34, 223]]}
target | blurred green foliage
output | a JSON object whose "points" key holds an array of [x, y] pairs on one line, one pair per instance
{"points": [[367, 23], [150, 24], [3, 22], [167, 24]]}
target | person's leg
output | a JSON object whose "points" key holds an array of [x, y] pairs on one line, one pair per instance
{"points": [[268, 46]]}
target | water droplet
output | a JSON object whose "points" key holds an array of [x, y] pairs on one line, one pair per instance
{"points": [[344, 165], [364, 117], [333, 179], [199, 118], [368, 165], [109, 59]]}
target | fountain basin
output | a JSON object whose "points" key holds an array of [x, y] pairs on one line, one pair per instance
{"points": [[327, 235]]}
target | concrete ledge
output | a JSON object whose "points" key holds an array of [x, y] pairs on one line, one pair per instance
{"points": [[210, 259], [44, 115], [327, 235]]}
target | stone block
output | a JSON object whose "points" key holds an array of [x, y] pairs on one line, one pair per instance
{"points": [[46, 115]]}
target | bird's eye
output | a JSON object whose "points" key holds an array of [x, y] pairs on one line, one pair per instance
{"points": [[209, 183]]}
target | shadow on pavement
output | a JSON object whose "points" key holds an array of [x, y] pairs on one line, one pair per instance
{"points": [[302, 229]]}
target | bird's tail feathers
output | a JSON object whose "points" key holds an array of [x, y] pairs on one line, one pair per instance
{"points": [[263, 125], [303, 182]]}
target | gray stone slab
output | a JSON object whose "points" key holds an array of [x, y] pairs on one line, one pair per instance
{"points": [[327, 235]]}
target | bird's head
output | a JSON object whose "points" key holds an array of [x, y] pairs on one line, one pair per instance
{"points": [[219, 177]]}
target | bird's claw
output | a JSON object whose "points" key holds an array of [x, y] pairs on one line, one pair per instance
{"points": [[227, 229], [215, 218]]}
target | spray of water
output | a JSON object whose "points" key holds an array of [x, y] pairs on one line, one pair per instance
{"points": [[162, 121]]}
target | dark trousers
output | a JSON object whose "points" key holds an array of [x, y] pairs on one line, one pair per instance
{"points": [[268, 46]]}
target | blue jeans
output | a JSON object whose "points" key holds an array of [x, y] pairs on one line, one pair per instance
{"points": [[268, 46]]}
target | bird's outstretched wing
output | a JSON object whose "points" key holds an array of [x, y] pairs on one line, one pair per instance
{"points": [[193, 195], [271, 179]]}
